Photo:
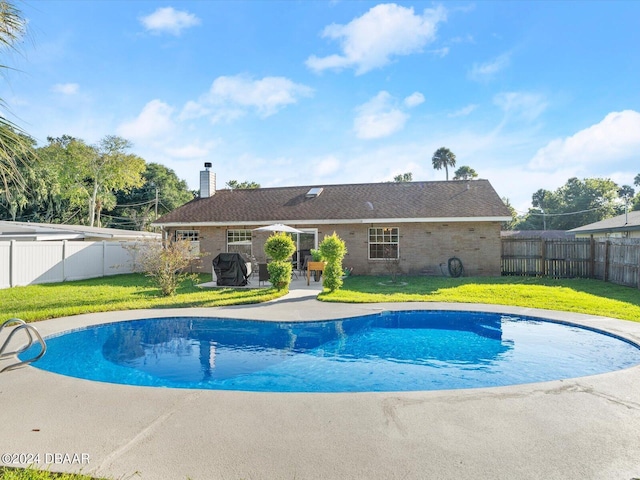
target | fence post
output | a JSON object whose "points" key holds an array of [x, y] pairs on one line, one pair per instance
{"points": [[104, 256], [607, 244], [543, 255], [64, 260], [592, 257], [12, 263]]}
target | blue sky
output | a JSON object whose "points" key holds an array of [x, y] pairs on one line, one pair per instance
{"points": [[528, 94]]}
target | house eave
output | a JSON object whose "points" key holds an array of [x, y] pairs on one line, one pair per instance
{"points": [[628, 228], [337, 221]]}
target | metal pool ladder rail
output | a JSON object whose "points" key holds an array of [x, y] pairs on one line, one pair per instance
{"points": [[31, 332]]}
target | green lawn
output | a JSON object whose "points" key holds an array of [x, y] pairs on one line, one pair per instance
{"points": [[118, 292], [134, 291], [574, 295]]}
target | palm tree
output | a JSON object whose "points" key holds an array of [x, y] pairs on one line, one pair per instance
{"points": [[465, 173], [443, 157], [13, 143]]}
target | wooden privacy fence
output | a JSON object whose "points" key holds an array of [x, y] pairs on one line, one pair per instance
{"points": [[615, 260]]}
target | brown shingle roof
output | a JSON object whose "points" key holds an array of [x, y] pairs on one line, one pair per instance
{"points": [[621, 223], [411, 200]]}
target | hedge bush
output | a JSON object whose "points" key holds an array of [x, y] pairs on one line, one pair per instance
{"points": [[279, 247], [333, 250]]}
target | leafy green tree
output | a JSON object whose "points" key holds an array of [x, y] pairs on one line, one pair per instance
{"points": [[576, 203], [403, 177], [443, 158], [465, 173], [514, 215], [161, 192], [626, 192], [91, 174], [235, 185]]}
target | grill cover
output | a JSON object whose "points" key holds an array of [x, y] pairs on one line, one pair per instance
{"points": [[231, 270]]}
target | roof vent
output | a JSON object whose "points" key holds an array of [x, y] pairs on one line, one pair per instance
{"points": [[314, 192]]}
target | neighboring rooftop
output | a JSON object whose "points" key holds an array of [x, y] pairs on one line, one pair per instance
{"points": [[50, 231], [621, 223], [408, 201]]}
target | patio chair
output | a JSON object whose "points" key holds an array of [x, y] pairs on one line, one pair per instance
{"points": [[263, 273]]}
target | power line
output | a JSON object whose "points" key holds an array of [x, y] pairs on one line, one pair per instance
{"points": [[560, 214], [136, 204]]}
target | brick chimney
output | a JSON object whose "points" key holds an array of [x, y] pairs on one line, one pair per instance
{"points": [[207, 181]]}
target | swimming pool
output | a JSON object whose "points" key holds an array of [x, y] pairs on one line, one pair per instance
{"points": [[389, 351]]}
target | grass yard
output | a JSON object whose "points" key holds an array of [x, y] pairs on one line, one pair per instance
{"points": [[593, 297], [135, 291], [118, 292]]}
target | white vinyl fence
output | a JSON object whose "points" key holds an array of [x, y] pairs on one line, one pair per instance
{"points": [[27, 263]]}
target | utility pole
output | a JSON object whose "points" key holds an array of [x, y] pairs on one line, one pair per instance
{"points": [[156, 203]]}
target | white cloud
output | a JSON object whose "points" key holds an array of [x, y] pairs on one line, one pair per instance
{"points": [[168, 20], [66, 88], [385, 31], [413, 100], [327, 166], [486, 71], [193, 110], [615, 140], [232, 96], [154, 121], [464, 111], [523, 105], [441, 52], [379, 117]]}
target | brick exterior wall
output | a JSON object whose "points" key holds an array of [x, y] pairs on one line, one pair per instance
{"points": [[425, 248]]}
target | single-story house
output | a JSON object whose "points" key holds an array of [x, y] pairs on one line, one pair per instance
{"points": [[626, 225], [31, 232], [415, 227]]}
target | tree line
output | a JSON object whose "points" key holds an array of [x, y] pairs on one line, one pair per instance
{"points": [[576, 203], [104, 185]]}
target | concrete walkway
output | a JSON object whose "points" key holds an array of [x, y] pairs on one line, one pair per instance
{"points": [[585, 428]]}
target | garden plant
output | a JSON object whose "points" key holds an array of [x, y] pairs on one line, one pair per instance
{"points": [[333, 250], [279, 247]]}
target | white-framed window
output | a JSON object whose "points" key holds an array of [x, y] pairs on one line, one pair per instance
{"points": [[239, 241], [191, 235], [384, 243]]}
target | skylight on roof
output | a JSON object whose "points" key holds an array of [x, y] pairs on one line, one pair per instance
{"points": [[314, 192]]}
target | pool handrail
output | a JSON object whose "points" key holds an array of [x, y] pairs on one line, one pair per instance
{"points": [[30, 331]]}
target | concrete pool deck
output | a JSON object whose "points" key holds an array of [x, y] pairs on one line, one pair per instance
{"points": [[584, 428]]}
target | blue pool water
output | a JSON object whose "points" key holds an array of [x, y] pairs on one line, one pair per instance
{"points": [[391, 351]]}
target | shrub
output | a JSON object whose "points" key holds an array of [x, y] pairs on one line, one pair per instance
{"points": [[316, 256], [333, 250], [280, 274], [165, 263], [279, 247]]}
